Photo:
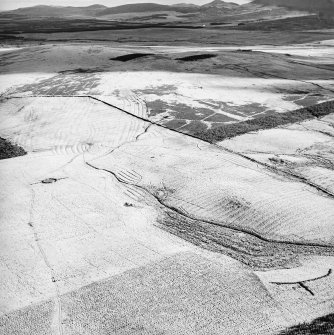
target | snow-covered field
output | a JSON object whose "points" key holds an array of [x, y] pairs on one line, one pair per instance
{"points": [[113, 223]]}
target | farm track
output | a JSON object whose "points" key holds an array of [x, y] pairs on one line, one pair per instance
{"points": [[58, 315]]}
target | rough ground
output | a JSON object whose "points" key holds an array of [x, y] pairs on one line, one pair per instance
{"points": [[117, 222], [9, 150]]}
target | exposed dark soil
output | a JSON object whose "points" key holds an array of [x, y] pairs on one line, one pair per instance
{"points": [[126, 58], [323, 326], [266, 122], [196, 57], [9, 150]]}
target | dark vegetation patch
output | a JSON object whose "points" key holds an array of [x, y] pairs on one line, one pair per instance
{"points": [[316, 95], [175, 124], [244, 50], [156, 107], [9, 150], [183, 111], [218, 23], [80, 70], [306, 101], [291, 24], [299, 92], [251, 249], [20, 24], [195, 127], [178, 110], [242, 110], [36, 319], [147, 7], [150, 17], [164, 35], [246, 110], [235, 203], [266, 122], [61, 85], [158, 90], [219, 118], [126, 58], [323, 325], [10, 37], [216, 124], [323, 7], [190, 15], [196, 57]]}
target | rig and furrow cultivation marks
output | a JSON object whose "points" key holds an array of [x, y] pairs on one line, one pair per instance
{"points": [[129, 129]]}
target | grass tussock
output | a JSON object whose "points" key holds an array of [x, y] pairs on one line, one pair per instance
{"points": [[266, 122], [323, 325], [9, 150]]}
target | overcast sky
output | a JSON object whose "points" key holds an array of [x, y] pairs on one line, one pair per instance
{"points": [[13, 4]]}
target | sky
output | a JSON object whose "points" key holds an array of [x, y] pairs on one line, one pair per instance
{"points": [[13, 4]]}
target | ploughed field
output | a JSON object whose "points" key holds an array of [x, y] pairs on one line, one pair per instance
{"points": [[130, 215]]}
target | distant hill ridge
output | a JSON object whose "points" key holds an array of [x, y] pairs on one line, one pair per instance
{"points": [[147, 7], [43, 10], [324, 7], [216, 7], [221, 4], [100, 10]]}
